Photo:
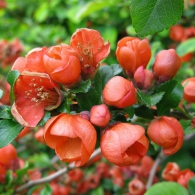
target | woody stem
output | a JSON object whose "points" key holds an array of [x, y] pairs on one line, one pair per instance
{"points": [[54, 175]]}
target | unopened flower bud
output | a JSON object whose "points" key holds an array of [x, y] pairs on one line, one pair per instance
{"points": [[166, 65], [132, 53], [166, 132], [143, 78], [100, 115], [119, 92], [189, 89]]}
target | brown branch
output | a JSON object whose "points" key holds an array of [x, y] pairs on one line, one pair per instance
{"points": [[158, 160], [52, 176]]}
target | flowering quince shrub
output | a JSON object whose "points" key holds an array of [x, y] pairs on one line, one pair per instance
{"points": [[112, 118]]}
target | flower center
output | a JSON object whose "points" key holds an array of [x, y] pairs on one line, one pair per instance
{"points": [[40, 94], [86, 57]]}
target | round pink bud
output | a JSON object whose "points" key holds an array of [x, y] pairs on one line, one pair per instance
{"points": [[100, 115]]}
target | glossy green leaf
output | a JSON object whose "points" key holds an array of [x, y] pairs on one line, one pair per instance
{"points": [[104, 74], [150, 100], [130, 111], [167, 188], [45, 118], [8, 131], [11, 79], [64, 107], [83, 87], [89, 99], [173, 93], [186, 47], [191, 184], [151, 16], [46, 190], [116, 69], [5, 112], [187, 127], [144, 112]]}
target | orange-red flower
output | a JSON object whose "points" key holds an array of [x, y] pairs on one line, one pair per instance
{"points": [[39, 135], [34, 90], [62, 64], [72, 137], [166, 132], [91, 49], [100, 115], [166, 65], [136, 187], [119, 92], [177, 33], [143, 78], [171, 171], [117, 176], [189, 89], [184, 176], [8, 157], [124, 144], [75, 174], [132, 53]]}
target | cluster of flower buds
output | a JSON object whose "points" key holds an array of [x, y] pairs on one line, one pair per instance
{"points": [[9, 52], [134, 54], [172, 172]]}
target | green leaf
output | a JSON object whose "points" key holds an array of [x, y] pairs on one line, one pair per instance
{"points": [[64, 107], [1, 93], [130, 111], [8, 131], [171, 98], [150, 100], [9, 178], [21, 172], [39, 160], [83, 87], [91, 7], [191, 184], [144, 112], [5, 112], [186, 47], [151, 16], [104, 74], [187, 127], [167, 188], [89, 99], [11, 79], [42, 12], [97, 191], [116, 69], [93, 96], [45, 118], [46, 190]]}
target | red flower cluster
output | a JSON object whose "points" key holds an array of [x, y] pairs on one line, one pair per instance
{"points": [[44, 69], [172, 172]]}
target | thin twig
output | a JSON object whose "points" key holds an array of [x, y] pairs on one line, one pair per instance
{"points": [[52, 176], [158, 160]]}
